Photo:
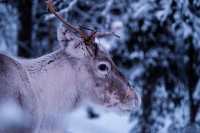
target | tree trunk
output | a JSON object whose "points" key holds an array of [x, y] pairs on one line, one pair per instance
{"points": [[147, 109], [192, 82], [24, 37]]}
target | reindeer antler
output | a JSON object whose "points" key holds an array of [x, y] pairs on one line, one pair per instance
{"points": [[100, 34], [52, 9], [66, 24], [88, 40]]}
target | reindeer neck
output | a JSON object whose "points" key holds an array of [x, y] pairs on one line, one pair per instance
{"points": [[51, 76], [54, 59]]}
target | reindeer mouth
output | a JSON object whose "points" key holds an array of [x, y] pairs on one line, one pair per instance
{"points": [[119, 108], [114, 103]]}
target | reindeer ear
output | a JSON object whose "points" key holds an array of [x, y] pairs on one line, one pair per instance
{"points": [[71, 42], [64, 36]]}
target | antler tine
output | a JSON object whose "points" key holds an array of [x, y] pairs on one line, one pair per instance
{"points": [[52, 9], [99, 34]]}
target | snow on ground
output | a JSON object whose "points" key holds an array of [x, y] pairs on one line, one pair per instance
{"points": [[86, 119], [101, 122], [11, 115]]}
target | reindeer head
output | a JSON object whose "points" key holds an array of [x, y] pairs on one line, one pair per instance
{"points": [[100, 81]]}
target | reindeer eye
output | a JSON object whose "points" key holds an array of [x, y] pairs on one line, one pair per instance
{"points": [[103, 67]]}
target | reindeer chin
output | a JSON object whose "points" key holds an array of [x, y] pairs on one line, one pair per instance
{"points": [[121, 109], [118, 110]]}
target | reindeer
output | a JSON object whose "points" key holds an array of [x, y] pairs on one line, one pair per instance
{"points": [[49, 86]]}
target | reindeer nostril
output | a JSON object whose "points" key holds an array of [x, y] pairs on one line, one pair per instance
{"points": [[129, 93], [128, 96]]}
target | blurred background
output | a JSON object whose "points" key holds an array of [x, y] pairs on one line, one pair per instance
{"points": [[158, 49]]}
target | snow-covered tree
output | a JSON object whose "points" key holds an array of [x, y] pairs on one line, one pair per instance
{"points": [[158, 49]]}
